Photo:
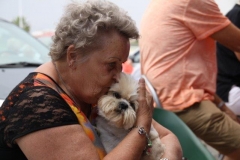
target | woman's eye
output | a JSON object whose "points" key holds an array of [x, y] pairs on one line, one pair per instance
{"points": [[117, 95], [112, 65]]}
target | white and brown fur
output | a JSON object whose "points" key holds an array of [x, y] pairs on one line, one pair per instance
{"points": [[117, 115]]}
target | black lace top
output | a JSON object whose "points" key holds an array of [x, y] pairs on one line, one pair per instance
{"points": [[30, 108]]}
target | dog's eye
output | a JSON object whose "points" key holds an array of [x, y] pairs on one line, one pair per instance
{"points": [[117, 95], [132, 105]]}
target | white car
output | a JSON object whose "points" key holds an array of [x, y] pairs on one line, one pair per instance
{"points": [[20, 54]]}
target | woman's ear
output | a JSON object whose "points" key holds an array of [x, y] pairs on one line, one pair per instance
{"points": [[71, 56]]}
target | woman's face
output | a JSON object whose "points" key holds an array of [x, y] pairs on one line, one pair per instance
{"points": [[95, 76]]}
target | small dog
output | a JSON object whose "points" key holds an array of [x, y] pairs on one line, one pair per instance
{"points": [[117, 115]]}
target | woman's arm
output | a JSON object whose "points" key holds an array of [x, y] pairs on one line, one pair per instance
{"points": [[64, 142], [71, 142]]}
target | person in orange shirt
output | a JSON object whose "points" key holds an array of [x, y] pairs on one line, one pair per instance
{"points": [[178, 56]]}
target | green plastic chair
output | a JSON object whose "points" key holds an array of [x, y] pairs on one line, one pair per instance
{"points": [[193, 148]]}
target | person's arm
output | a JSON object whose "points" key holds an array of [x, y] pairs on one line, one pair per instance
{"points": [[237, 55], [229, 37], [71, 142], [65, 142], [173, 148], [222, 106], [37, 141]]}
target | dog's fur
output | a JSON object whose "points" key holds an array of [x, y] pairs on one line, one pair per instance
{"points": [[117, 115]]}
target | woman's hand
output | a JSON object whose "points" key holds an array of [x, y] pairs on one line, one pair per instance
{"points": [[173, 149], [145, 109]]}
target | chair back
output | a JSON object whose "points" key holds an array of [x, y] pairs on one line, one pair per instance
{"points": [[193, 148]]}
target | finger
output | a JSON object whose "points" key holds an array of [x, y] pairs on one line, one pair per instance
{"points": [[142, 89], [149, 99]]}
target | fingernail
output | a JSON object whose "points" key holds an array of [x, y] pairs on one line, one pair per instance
{"points": [[141, 80]]}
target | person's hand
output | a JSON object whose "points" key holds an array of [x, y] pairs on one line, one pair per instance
{"points": [[229, 112], [171, 142], [217, 100], [145, 109]]}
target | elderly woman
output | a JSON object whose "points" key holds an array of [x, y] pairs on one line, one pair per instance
{"points": [[47, 116]]}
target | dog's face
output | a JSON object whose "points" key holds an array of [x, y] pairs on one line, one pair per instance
{"points": [[120, 105]]}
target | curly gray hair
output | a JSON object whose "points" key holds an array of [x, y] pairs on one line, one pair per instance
{"points": [[81, 22]]}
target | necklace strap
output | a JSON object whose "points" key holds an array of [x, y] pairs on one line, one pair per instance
{"points": [[64, 84]]}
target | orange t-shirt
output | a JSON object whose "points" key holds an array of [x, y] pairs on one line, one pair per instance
{"points": [[177, 54]]}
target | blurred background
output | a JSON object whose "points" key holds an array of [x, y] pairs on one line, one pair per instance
{"points": [[39, 17], [42, 15]]}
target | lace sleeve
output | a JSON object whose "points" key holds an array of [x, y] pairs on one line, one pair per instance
{"points": [[37, 108]]}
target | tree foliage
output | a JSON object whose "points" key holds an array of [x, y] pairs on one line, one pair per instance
{"points": [[24, 25]]}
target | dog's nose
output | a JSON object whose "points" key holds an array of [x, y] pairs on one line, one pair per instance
{"points": [[123, 105]]}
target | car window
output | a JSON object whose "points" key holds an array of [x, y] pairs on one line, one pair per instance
{"points": [[16, 45]]}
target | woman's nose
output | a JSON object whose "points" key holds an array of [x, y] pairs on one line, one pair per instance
{"points": [[116, 77]]}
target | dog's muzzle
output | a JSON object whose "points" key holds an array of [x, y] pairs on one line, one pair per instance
{"points": [[122, 106]]}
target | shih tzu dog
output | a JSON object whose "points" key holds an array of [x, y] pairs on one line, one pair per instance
{"points": [[117, 116]]}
